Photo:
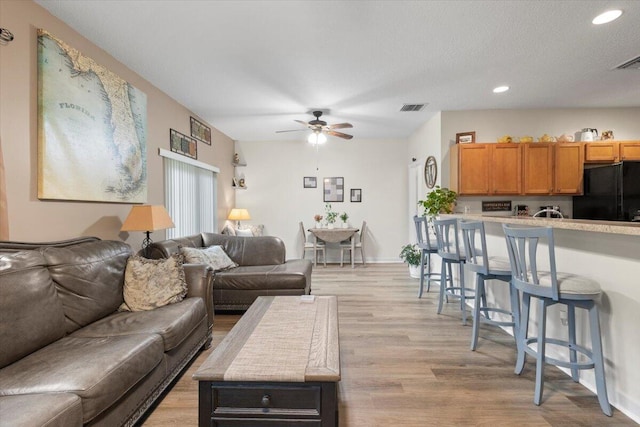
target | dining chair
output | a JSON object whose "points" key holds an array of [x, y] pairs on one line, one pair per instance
{"points": [[492, 269], [551, 287], [306, 245], [450, 252], [359, 244], [427, 248]]}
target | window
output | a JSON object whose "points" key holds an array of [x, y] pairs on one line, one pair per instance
{"points": [[190, 195]]}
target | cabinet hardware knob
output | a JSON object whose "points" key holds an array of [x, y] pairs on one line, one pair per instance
{"points": [[266, 401]]}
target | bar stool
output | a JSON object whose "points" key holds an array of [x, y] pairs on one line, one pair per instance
{"points": [[449, 251], [487, 268], [426, 248], [552, 287]]}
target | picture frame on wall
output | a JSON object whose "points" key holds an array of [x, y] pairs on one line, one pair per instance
{"points": [[200, 130], [356, 195], [310, 182], [465, 137], [333, 189], [183, 144]]}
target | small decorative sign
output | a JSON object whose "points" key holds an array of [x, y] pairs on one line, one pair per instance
{"points": [[496, 206]]}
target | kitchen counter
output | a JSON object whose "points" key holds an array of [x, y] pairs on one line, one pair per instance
{"points": [[611, 227]]}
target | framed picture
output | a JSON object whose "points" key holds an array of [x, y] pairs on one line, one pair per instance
{"points": [[356, 195], [200, 130], [334, 189], [465, 138], [183, 144], [310, 182]]}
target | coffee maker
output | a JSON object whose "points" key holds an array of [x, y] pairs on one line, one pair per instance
{"points": [[549, 212]]}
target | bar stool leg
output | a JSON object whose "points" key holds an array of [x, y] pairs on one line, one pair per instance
{"points": [[515, 312], [422, 256], [573, 354], [476, 310], [540, 354], [463, 300], [443, 284], [598, 362], [428, 271], [522, 335]]}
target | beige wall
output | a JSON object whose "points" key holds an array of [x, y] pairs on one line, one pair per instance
{"points": [[33, 220]]}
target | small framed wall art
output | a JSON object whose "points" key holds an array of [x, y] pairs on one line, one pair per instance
{"points": [[310, 182], [356, 195], [333, 189], [465, 138], [183, 144], [200, 130]]}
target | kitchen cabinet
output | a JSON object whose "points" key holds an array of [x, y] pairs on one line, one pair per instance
{"points": [[553, 168], [611, 151], [486, 169]]}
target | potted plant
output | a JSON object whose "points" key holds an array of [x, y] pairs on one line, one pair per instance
{"points": [[331, 215], [439, 200], [344, 217], [318, 218], [412, 255]]}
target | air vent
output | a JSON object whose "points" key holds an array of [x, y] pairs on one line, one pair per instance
{"points": [[634, 64], [412, 107]]}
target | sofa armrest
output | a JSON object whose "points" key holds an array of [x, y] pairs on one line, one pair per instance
{"points": [[199, 278]]}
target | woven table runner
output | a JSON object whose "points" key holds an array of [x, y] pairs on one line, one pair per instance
{"points": [[277, 350]]}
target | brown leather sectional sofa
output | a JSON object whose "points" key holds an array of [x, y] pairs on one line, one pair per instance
{"points": [[67, 356], [262, 268]]}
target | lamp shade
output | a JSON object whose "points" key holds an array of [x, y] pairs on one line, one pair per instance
{"points": [[239, 215], [147, 218]]}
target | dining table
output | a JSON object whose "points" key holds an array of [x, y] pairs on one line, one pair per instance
{"points": [[334, 235]]}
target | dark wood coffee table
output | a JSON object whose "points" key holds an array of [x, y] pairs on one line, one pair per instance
{"points": [[279, 365]]}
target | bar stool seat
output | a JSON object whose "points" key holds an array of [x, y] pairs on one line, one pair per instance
{"points": [[427, 248], [487, 268], [549, 288]]}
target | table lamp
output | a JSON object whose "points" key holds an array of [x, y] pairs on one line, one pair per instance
{"points": [[238, 215], [147, 218]]}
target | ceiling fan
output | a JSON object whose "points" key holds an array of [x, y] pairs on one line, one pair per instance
{"points": [[320, 127]]}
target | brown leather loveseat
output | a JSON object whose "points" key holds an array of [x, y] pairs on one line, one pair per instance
{"points": [[262, 268], [67, 356]]}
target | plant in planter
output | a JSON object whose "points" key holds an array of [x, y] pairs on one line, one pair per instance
{"points": [[412, 255], [318, 218], [439, 200], [344, 217], [331, 215]]}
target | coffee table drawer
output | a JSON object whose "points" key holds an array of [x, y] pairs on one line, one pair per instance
{"points": [[290, 400]]}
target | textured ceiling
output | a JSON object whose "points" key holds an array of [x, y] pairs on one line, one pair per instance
{"points": [[251, 67]]}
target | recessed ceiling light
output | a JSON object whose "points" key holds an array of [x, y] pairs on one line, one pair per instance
{"points": [[501, 89], [606, 17]]}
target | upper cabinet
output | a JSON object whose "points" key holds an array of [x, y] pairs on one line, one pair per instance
{"points": [[517, 169], [611, 151]]}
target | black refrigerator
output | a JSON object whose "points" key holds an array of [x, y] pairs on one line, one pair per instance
{"points": [[611, 192]]}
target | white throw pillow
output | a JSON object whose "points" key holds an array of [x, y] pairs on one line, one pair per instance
{"points": [[213, 256], [244, 233], [153, 283]]}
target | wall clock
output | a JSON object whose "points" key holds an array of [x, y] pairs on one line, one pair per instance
{"points": [[430, 171]]}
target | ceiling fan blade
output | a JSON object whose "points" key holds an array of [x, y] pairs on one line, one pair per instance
{"points": [[339, 134], [340, 126], [302, 123], [290, 130]]}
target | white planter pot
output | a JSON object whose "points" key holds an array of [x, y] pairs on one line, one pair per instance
{"points": [[330, 226], [318, 224], [414, 271], [345, 225]]}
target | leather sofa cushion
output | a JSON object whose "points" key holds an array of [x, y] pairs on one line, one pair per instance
{"points": [[89, 278], [173, 323], [99, 370], [32, 315], [246, 251], [48, 410], [282, 276]]}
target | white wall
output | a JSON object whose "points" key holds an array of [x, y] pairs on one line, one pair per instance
{"points": [[276, 198]]}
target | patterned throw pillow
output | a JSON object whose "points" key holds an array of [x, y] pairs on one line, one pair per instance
{"points": [[153, 283], [214, 256], [228, 230]]}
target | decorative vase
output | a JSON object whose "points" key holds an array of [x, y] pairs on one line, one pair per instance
{"points": [[330, 226], [414, 271], [318, 224], [345, 225]]}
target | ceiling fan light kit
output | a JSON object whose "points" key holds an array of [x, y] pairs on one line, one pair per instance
{"points": [[321, 129]]}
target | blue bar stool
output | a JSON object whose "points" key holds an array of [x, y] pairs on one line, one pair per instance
{"points": [[487, 268], [427, 248], [449, 250], [552, 287]]}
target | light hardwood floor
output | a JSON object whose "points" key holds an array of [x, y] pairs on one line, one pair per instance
{"points": [[404, 365]]}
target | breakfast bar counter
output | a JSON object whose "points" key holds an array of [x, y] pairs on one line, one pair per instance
{"points": [[608, 252]]}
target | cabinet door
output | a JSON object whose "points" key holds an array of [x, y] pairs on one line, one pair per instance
{"points": [[474, 168], [630, 150], [568, 168], [506, 169], [538, 168], [601, 152]]}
